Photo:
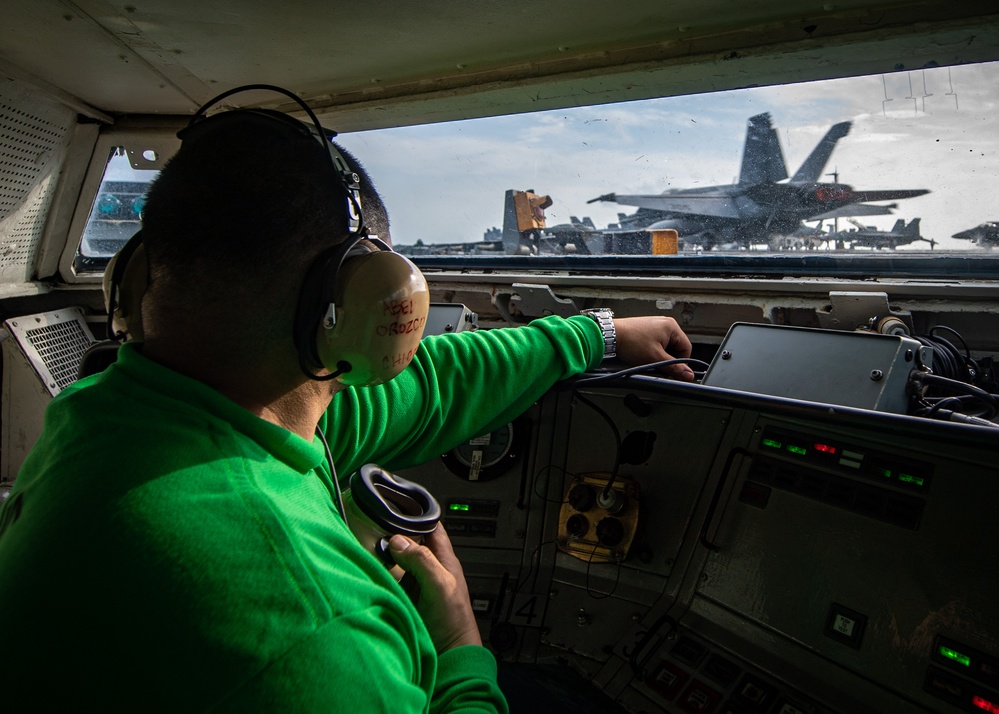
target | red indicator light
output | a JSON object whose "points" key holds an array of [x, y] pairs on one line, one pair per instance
{"points": [[825, 448], [985, 705]]}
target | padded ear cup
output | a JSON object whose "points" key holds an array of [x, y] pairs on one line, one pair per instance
{"points": [[380, 504], [381, 304], [126, 278]]}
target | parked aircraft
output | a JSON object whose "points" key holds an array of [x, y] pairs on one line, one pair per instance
{"points": [[759, 206], [986, 234], [871, 237]]}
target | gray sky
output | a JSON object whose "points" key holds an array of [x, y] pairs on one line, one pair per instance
{"points": [[936, 129]]}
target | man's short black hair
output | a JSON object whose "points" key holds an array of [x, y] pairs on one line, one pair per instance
{"points": [[236, 217], [244, 197]]}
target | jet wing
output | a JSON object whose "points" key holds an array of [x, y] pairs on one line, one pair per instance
{"points": [[887, 195], [716, 205], [855, 209]]}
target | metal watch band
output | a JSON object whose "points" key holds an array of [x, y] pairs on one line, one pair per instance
{"points": [[605, 319]]}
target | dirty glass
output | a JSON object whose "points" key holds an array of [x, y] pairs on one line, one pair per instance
{"points": [[905, 162], [116, 212]]}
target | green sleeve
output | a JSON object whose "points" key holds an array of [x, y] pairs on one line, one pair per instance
{"points": [[458, 386], [348, 666], [326, 672], [466, 681]]}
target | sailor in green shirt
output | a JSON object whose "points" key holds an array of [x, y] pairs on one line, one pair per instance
{"points": [[173, 542]]}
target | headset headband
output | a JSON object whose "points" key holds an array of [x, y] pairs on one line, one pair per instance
{"points": [[350, 181]]}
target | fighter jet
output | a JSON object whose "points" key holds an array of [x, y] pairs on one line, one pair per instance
{"points": [[761, 205], [870, 237], [984, 234]]}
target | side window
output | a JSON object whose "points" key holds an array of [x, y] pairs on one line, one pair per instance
{"points": [[116, 213]]}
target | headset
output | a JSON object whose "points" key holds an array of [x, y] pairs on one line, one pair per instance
{"points": [[380, 504], [362, 307], [126, 278]]}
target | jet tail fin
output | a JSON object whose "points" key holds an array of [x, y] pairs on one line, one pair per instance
{"points": [[913, 228], [811, 169], [762, 158], [899, 227]]}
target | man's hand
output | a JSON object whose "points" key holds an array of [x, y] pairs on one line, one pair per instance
{"points": [[642, 340], [444, 604]]}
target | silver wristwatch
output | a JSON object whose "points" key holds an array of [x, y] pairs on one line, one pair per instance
{"points": [[605, 319]]}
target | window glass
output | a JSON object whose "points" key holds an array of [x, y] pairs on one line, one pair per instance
{"points": [[910, 163], [116, 211]]}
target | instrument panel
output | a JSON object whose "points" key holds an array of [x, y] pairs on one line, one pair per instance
{"points": [[653, 546]]}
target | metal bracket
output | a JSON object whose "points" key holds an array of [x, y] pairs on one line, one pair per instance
{"points": [[851, 310], [539, 301]]}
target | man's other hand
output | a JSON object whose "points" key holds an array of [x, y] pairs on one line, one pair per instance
{"points": [[443, 604], [642, 340]]}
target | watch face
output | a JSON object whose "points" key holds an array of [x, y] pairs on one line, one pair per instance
{"points": [[485, 457]]}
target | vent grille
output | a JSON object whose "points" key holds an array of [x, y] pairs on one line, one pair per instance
{"points": [[54, 343], [33, 136], [61, 348]]}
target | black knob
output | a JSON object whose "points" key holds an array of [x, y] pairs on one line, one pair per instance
{"points": [[581, 497], [577, 526], [610, 532], [502, 636]]}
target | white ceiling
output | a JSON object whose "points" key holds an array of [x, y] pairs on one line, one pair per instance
{"points": [[385, 63]]}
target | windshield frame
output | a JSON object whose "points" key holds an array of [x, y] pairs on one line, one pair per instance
{"points": [[158, 135]]}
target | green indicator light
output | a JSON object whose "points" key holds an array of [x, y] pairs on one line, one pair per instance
{"points": [[772, 443], [797, 449], [909, 478], [955, 656], [885, 472], [458, 506]]}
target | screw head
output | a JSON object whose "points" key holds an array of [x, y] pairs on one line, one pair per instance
{"points": [[876, 375], [726, 354]]}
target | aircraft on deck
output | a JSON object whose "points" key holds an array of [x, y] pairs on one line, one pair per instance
{"points": [[870, 237], [985, 234], [758, 207]]}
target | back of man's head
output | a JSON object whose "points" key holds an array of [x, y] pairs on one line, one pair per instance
{"points": [[248, 199]]}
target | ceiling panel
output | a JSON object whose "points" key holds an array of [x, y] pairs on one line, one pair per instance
{"points": [[374, 63]]}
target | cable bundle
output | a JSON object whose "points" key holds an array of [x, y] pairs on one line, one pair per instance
{"points": [[951, 392]]}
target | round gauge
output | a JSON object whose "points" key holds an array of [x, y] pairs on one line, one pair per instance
{"points": [[485, 457]]}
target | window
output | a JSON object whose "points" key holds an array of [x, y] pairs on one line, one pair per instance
{"points": [[116, 211], [885, 165], [885, 170]]}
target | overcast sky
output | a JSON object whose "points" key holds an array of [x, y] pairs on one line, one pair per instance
{"points": [[936, 129]]}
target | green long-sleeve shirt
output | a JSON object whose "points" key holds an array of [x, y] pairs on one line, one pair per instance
{"points": [[165, 549]]}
